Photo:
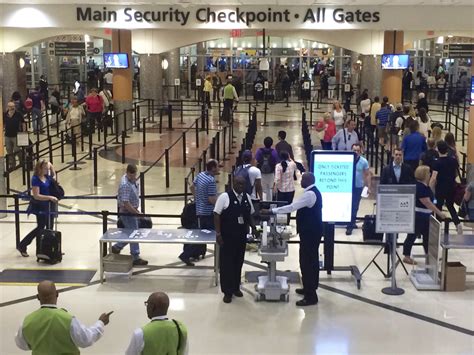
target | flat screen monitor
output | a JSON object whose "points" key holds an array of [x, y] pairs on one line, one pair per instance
{"points": [[334, 172], [472, 91], [116, 60], [395, 61]]}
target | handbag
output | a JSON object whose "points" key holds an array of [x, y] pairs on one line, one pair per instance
{"points": [[55, 189]]}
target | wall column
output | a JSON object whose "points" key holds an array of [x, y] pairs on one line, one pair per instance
{"points": [[123, 78], [151, 77], [392, 79], [371, 74], [172, 72]]}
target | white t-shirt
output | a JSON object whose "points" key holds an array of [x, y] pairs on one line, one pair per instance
{"points": [[365, 106], [254, 174], [338, 118], [424, 126], [223, 202], [108, 78]]}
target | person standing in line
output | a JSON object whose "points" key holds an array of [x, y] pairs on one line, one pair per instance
{"points": [[451, 142], [422, 102], [161, 336], [309, 226], [283, 145], [42, 203], [365, 104], [424, 122], [285, 176], [37, 109], [413, 146], [52, 330], [204, 189], [327, 126], [229, 95], [267, 159], [339, 115], [331, 85], [253, 178], [382, 117], [43, 88], [207, 91], [13, 123], [363, 177], [424, 207], [216, 87], [94, 106], [376, 106], [128, 202], [232, 219], [443, 178], [346, 137], [74, 118], [395, 126], [431, 154], [109, 80], [398, 172]]}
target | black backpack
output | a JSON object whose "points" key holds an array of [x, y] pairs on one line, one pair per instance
{"points": [[189, 217], [266, 163], [244, 172]]}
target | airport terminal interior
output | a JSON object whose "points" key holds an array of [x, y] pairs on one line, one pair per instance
{"points": [[182, 83]]}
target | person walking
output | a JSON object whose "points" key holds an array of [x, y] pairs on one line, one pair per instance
{"points": [[94, 108], [74, 118], [207, 91], [204, 189], [398, 172], [13, 123], [309, 226], [229, 95], [346, 137], [283, 145], [328, 126], [424, 122], [338, 115], [253, 178], [363, 178], [443, 178], [382, 117], [216, 87], [52, 330], [376, 106], [424, 207], [285, 174], [128, 199], [161, 336], [232, 219], [413, 146], [42, 203], [267, 158], [36, 110]]}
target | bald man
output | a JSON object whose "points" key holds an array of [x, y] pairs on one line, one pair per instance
{"points": [[161, 336], [232, 219], [309, 226], [50, 330]]}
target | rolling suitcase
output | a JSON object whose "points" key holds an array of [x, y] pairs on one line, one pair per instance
{"points": [[48, 246], [368, 228], [189, 220]]}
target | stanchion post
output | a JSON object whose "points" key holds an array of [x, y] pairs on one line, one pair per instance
{"points": [[182, 112], [142, 192], [170, 117], [105, 216], [144, 132], [47, 122], [17, 219], [62, 147], [167, 167], [186, 181], [124, 135], [393, 290], [203, 118], [95, 167], [23, 165], [105, 135], [50, 146], [196, 130], [74, 154], [184, 148]]}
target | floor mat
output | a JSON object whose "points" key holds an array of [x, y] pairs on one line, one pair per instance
{"points": [[64, 277], [293, 277]]}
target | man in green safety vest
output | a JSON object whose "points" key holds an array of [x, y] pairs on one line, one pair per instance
{"points": [[51, 330], [229, 95], [161, 336]]}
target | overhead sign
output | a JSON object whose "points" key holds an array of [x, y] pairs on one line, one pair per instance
{"points": [[458, 51], [70, 49], [395, 209], [334, 173]]}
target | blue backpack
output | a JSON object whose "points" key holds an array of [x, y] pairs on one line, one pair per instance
{"points": [[244, 172]]}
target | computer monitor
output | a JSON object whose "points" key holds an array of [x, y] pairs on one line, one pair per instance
{"points": [[395, 61], [116, 60]]}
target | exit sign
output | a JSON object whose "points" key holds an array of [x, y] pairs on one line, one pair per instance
{"points": [[236, 33]]}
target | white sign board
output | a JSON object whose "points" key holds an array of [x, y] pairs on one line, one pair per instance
{"points": [[198, 82], [334, 174], [265, 84], [395, 209], [306, 85], [176, 82]]}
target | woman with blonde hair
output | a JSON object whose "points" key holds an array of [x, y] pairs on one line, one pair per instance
{"points": [[207, 91], [42, 202], [327, 126], [338, 115], [437, 134], [424, 207]]}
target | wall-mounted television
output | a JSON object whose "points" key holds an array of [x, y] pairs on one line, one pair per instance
{"points": [[116, 60], [395, 61], [472, 91]]}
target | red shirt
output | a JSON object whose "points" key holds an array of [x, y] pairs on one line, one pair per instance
{"points": [[94, 103], [330, 130]]}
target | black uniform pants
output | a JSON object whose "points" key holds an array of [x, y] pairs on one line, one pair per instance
{"points": [[309, 264], [196, 250], [227, 110], [230, 264]]}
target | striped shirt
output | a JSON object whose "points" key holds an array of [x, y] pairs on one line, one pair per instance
{"points": [[285, 181], [128, 192], [382, 116], [205, 186]]}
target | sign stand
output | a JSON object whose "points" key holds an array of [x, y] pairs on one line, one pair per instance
{"points": [[395, 214], [393, 289]]}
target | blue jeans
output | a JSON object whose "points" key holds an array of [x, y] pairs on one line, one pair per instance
{"points": [[356, 192], [130, 222], [36, 119]]}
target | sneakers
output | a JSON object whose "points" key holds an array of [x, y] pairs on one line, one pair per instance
{"points": [[23, 253], [238, 293], [409, 261], [140, 262], [116, 250]]}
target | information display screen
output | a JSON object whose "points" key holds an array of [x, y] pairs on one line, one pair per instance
{"points": [[116, 60], [472, 90], [335, 173], [395, 61]]}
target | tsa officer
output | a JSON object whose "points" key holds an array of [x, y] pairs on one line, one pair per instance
{"points": [[232, 219], [309, 226]]}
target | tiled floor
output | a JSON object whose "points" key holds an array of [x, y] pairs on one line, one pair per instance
{"points": [[346, 321]]}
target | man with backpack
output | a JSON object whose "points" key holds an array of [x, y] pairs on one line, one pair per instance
{"points": [[204, 189], [267, 158], [252, 176]]}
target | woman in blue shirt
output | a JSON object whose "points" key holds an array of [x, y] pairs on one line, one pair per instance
{"points": [[424, 208], [42, 203]]}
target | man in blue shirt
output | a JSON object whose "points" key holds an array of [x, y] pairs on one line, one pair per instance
{"points": [[204, 189], [362, 178], [345, 138], [128, 202], [413, 145], [382, 117]]}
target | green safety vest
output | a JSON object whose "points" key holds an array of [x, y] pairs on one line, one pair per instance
{"points": [[161, 337], [229, 92], [48, 331]]}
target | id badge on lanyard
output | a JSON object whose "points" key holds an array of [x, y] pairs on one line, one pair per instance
{"points": [[240, 220]]}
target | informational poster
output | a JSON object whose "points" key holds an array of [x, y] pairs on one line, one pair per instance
{"points": [[176, 82], [306, 85], [198, 82], [265, 84], [334, 173], [395, 209]]}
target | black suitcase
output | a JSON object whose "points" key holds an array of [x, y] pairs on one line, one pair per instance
{"points": [[48, 246], [189, 221], [143, 222], [368, 229]]}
